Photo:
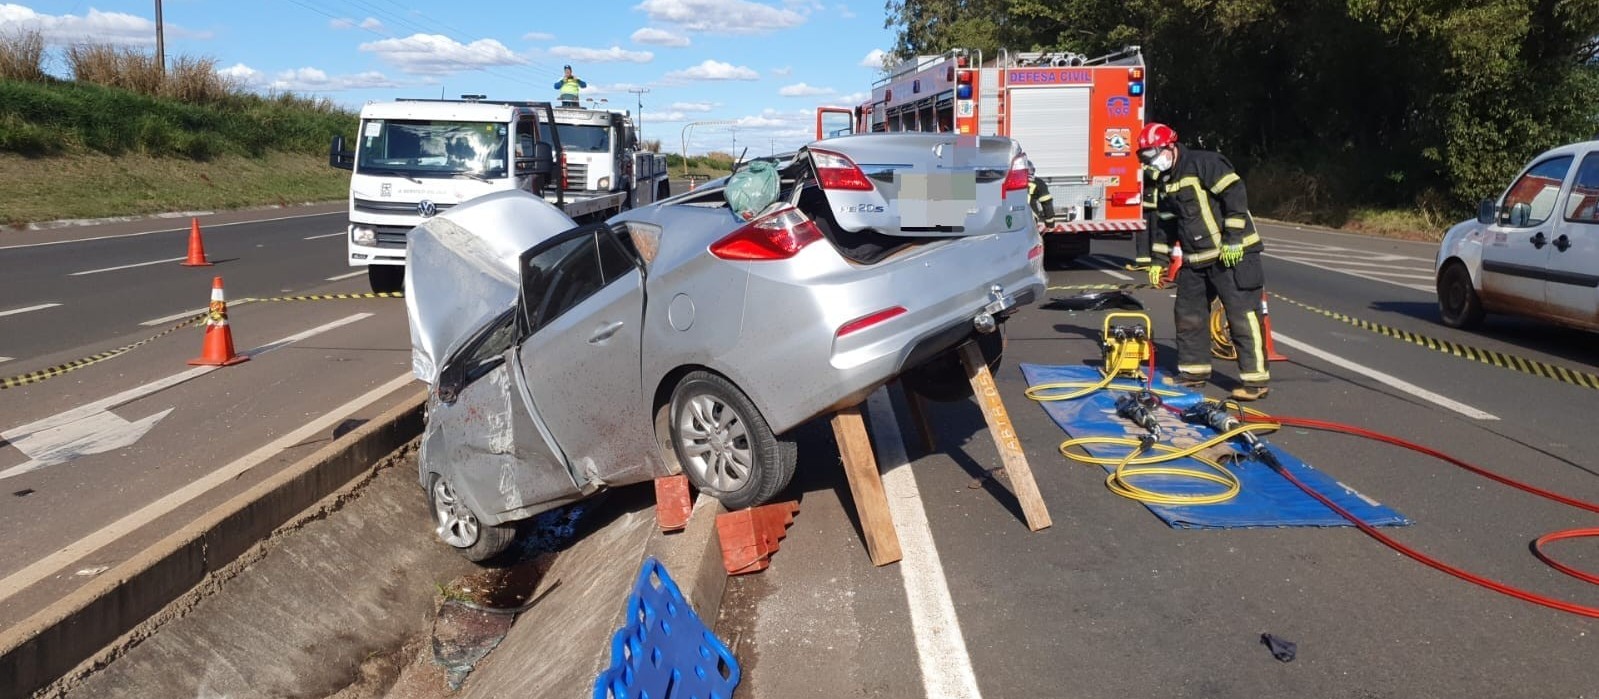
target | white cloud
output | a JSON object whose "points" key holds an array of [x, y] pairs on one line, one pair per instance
{"points": [[804, 90], [874, 59], [854, 98], [96, 26], [609, 89], [845, 12], [537, 36], [341, 23], [371, 23], [783, 72], [721, 16], [433, 54], [691, 106], [715, 70], [659, 37], [305, 79], [804, 5], [615, 54]]}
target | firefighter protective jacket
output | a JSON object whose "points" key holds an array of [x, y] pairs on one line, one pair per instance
{"points": [[1201, 204], [1042, 201]]}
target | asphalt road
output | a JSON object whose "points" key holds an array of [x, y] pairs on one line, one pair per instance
{"points": [[101, 462], [1110, 602]]}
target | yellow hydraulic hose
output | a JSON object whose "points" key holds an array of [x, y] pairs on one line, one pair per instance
{"points": [[1221, 341], [1118, 480]]}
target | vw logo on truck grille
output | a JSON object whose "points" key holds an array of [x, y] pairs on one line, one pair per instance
{"points": [[426, 209]]}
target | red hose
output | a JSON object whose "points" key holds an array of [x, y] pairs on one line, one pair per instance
{"points": [[1434, 563]]}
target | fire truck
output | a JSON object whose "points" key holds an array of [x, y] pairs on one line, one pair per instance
{"points": [[1077, 118]]}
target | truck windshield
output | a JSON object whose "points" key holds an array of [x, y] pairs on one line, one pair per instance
{"points": [[432, 148], [579, 137]]}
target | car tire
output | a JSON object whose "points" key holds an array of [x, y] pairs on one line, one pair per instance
{"points": [[386, 279], [943, 379], [716, 432], [459, 527], [1458, 303]]}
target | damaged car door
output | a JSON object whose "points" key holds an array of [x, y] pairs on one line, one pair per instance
{"points": [[580, 314]]}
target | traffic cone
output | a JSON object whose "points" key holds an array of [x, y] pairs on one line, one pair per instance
{"points": [[196, 247], [1176, 263], [1265, 324], [218, 347]]}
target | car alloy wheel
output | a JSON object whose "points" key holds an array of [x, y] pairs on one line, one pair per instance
{"points": [[723, 442], [457, 526], [1458, 303]]}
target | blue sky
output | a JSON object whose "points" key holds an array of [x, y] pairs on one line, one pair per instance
{"points": [[764, 64]]}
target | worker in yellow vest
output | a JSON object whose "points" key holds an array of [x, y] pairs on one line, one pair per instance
{"points": [[569, 85]]}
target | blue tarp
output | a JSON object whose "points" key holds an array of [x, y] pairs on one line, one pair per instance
{"points": [[1267, 499]]}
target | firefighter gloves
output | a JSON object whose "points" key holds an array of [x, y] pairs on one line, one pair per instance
{"points": [[1231, 254], [1156, 275]]}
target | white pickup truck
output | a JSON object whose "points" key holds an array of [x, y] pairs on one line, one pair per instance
{"points": [[414, 158]]}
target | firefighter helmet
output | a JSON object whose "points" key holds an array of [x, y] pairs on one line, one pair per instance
{"points": [[1156, 135]]}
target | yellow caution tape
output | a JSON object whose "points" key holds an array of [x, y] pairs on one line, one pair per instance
{"points": [[34, 377]]}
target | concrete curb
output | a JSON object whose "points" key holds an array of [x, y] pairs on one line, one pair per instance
{"points": [[172, 215], [57, 639]]}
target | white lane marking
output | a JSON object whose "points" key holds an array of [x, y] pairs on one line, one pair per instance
{"points": [[22, 579], [1343, 258], [95, 434], [136, 264], [325, 235], [39, 307], [168, 230], [5, 359], [189, 314], [88, 410], [343, 277], [1323, 266], [1388, 379], [1107, 268], [940, 645]]}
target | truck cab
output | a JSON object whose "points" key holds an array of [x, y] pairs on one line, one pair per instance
{"points": [[415, 158]]}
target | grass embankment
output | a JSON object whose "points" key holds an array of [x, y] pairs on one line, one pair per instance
{"points": [[125, 138]]}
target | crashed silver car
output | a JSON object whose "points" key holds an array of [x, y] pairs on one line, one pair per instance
{"points": [[686, 336]]}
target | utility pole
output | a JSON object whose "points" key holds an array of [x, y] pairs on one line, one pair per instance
{"points": [[160, 44], [639, 91]]}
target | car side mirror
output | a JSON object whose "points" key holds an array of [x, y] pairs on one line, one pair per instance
{"points": [[339, 157], [451, 381], [543, 159], [1520, 214], [1487, 209]]}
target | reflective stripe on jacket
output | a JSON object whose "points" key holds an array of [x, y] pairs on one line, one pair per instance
{"points": [[1201, 203]]}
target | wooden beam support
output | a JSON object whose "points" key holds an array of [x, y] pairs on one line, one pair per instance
{"points": [[1010, 446], [866, 485], [918, 408]]}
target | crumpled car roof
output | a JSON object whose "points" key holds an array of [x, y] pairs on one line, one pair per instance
{"points": [[463, 270]]}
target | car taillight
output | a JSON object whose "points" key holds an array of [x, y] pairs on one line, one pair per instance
{"points": [[565, 183], [1017, 177], [835, 171], [868, 321], [776, 236], [1036, 252]]}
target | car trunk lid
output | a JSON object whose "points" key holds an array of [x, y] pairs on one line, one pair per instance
{"points": [[919, 185]]}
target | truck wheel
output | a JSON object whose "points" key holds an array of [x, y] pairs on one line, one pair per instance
{"points": [[1458, 304], [386, 279], [724, 445], [943, 379], [457, 526]]}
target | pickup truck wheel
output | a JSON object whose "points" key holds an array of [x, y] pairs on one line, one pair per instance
{"points": [[1458, 303], [724, 445], [943, 378], [386, 279], [458, 526]]}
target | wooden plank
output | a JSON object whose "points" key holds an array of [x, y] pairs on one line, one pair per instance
{"points": [[918, 407], [866, 485], [1010, 447]]}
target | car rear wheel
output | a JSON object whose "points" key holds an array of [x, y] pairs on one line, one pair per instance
{"points": [[458, 526], [386, 279], [943, 378], [724, 445], [1458, 303]]}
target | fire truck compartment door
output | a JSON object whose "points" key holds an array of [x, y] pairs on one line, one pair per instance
{"points": [[1051, 124]]}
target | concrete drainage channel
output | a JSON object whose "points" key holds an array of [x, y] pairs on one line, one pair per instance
{"points": [[290, 591]]}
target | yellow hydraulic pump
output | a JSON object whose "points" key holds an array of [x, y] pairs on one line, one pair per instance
{"points": [[1128, 345]]}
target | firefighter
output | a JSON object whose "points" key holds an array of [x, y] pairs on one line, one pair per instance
{"points": [[1201, 204], [1142, 260], [571, 88], [1040, 199]]}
